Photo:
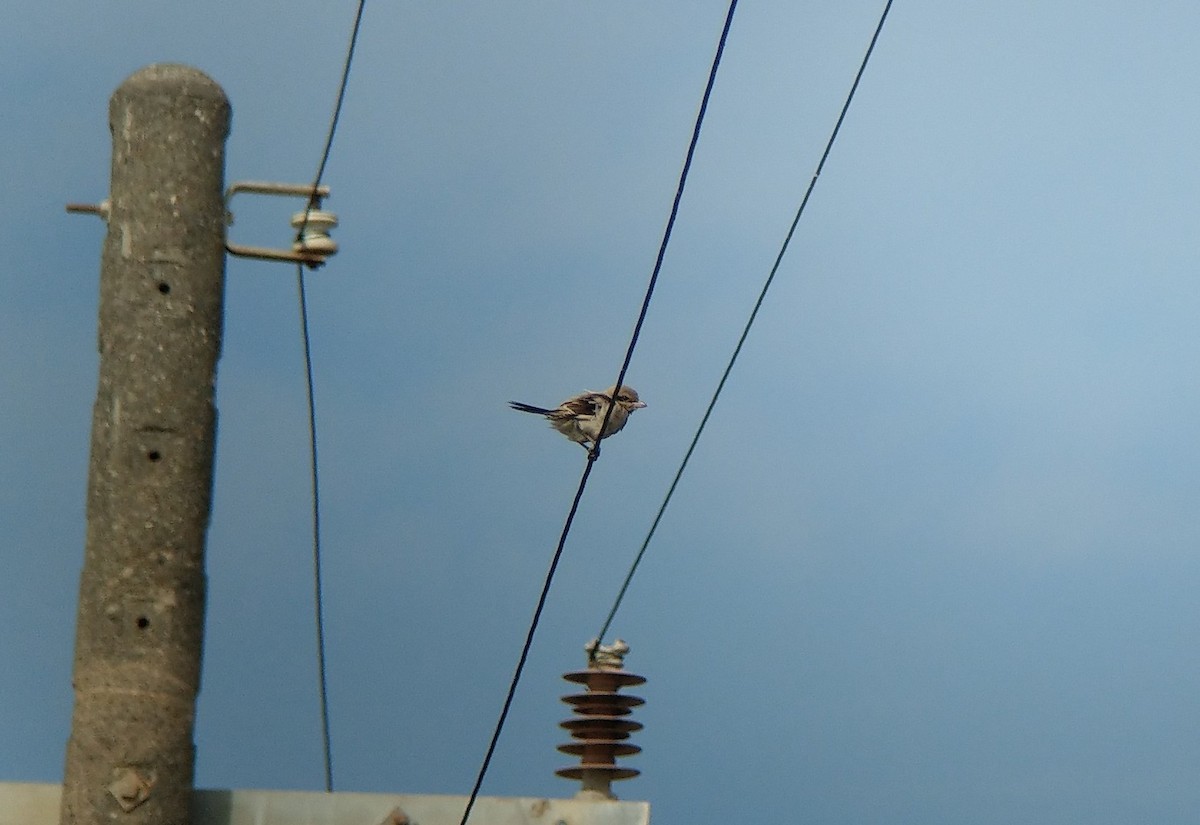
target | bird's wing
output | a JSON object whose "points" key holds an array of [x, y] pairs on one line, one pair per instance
{"points": [[583, 405]]}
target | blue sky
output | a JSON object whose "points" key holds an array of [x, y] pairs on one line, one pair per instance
{"points": [[935, 559]]}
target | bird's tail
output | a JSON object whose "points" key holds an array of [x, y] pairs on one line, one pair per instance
{"points": [[529, 408]]}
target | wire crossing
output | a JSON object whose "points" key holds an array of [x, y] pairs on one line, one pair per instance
{"points": [[749, 323], [594, 453], [318, 600]]}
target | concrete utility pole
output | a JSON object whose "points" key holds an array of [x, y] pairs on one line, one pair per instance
{"points": [[130, 757]]}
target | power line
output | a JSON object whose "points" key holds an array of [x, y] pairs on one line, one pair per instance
{"points": [[337, 106], [537, 615], [318, 600], [749, 323], [322, 690], [594, 453], [662, 249]]}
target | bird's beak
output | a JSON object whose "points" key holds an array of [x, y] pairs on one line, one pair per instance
{"points": [[637, 405]]}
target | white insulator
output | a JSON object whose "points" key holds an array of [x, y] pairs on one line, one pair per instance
{"points": [[315, 238]]}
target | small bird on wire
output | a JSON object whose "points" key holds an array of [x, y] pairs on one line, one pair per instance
{"points": [[580, 416]]}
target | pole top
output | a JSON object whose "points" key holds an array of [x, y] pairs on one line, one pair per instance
{"points": [[156, 77], [167, 85]]}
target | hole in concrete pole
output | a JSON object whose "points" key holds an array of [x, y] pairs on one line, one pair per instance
{"points": [[164, 287], [154, 455], [142, 622]]}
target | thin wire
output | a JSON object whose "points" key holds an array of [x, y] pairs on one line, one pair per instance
{"points": [[337, 110], [594, 453], [322, 689], [662, 249], [749, 323], [537, 615], [318, 600]]}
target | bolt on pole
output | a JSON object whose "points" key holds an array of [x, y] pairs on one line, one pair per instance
{"points": [[130, 757]]}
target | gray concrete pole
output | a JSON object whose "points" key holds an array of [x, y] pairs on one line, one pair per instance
{"points": [[140, 624]]}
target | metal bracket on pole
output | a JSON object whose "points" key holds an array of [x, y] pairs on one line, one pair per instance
{"points": [[313, 246], [99, 209]]}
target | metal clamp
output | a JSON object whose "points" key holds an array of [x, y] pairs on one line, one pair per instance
{"points": [[313, 246]]}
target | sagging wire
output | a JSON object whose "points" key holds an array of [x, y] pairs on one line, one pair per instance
{"points": [[313, 202]]}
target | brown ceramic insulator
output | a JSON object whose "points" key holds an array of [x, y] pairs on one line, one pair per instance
{"points": [[599, 728], [606, 704]]}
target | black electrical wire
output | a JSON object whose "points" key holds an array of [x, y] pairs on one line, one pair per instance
{"points": [[746, 330], [662, 248], [594, 453], [322, 681], [537, 615], [322, 689], [337, 107]]}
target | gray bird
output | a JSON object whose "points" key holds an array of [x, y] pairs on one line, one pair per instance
{"points": [[579, 417]]}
